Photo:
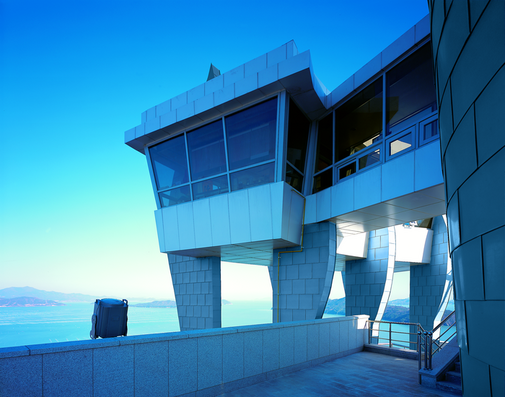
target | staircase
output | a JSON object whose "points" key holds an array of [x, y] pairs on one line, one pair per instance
{"points": [[452, 381]]}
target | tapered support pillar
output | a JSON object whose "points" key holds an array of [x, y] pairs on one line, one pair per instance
{"points": [[197, 288], [301, 281]]}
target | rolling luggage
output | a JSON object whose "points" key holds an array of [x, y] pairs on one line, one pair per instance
{"points": [[109, 318]]}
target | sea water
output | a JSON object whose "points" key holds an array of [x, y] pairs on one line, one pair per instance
{"points": [[20, 326]]}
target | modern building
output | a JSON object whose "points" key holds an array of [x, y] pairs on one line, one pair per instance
{"points": [[263, 165]]}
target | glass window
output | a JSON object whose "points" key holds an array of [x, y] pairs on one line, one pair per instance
{"points": [[252, 177], [358, 122], [324, 153], [175, 196], [251, 135], [369, 159], [347, 170], [206, 151], [210, 187], [294, 178], [169, 163], [410, 87], [430, 130], [400, 144], [322, 181], [298, 134]]}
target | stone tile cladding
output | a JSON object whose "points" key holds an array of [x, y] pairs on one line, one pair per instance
{"points": [[364, 279], [197, 288], [305, 277]]}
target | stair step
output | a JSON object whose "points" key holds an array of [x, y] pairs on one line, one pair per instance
{"points": [[457, 366], [450, 387], [453, 377]]}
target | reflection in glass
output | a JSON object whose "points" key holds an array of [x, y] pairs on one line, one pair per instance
{"points": [[324, 153], [298, 134], [347, 170], [252, 177], [358, 122], [323, 180], [251, 135], [210, 187], [430, 130], [206, 151], [410, 87], [169, 163], [175, 196], [294, 178], [369, 159], [400, 144]]}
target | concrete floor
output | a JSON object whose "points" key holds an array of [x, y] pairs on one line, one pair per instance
{"points": [[360, 374]]}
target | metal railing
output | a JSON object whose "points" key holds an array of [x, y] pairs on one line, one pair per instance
{"points": [[375, 334], [425, 345]]}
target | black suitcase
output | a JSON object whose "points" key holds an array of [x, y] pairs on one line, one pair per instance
{"points": [[109, 318]]}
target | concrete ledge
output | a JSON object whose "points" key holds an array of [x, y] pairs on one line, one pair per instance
{"points": [[404, 353], [194, 363]]}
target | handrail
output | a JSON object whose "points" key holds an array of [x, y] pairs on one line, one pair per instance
{"points": [[426, 346]]}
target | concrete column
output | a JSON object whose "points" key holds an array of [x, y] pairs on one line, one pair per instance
{"points": [[468, 44], [301, 281], [365, 278], [197, 288], [427, 281]]}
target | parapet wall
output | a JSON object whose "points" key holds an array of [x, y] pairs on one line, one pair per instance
{"points": [[202, 362]]}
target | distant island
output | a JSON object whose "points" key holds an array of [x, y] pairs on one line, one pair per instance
{"points": [[27, 301], [395, 310], [16, 292], [167, 303]]}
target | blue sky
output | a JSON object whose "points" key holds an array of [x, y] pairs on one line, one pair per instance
{"points": [[76, 204]]}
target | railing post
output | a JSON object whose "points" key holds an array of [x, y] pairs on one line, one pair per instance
{"points": [[419, 352], [390, 343], [430, 346], [425, 350]]}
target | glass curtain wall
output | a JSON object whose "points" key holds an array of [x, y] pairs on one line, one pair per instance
{"points": [[298, 135], [351, 138], [236, 151]]}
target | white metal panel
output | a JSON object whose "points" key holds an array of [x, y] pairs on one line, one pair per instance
{"points": [[240, 225], [286, 208], [186, 225], [260, 205], [276, 194], [202, 226], [355, 245], [323, 205], [158, 217], [170, 228], [428, 166], [367, 188], [220, 220], [295, 218], [398, 177], [413, 244]]}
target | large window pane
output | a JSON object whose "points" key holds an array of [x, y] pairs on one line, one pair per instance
{"points": [[294, 178], [358, 122], [324, 153], [210, 187], [298, 134], [369, 159], [400, 144], [169, 163], [347, 170], [323, 180], [175, 196], [206, 151], [252, 177], [251, 135], [410, 87]]}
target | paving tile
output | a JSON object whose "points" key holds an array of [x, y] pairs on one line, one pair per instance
{"points": [[359, 374]]}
